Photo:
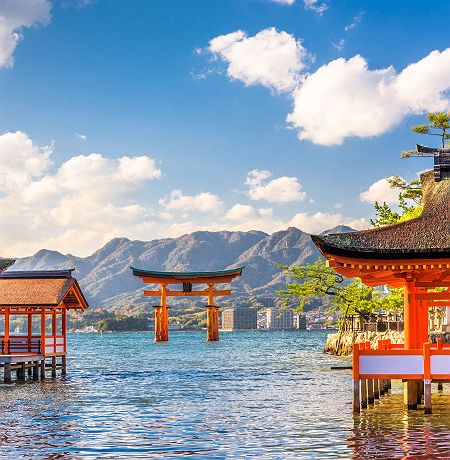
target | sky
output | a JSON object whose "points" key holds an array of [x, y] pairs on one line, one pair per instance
{"points": [[154, 118]]}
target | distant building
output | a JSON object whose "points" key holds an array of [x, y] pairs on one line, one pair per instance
{"points": [[239, 319], [280, 319], [300, 321]]}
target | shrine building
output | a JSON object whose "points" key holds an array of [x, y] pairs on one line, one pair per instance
{"points": [[35, 303], [413, 255]]}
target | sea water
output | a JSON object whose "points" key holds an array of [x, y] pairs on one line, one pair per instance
{"points": [[267, 395]]}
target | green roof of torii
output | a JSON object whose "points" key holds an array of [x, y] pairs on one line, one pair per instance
{"points": [[158, 274]]}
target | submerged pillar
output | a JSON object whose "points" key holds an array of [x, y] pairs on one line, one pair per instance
{"points": [[161, 323], [212, 323], [212, 317]]}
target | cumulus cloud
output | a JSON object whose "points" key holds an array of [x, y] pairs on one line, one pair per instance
{"points": [[345, 98], [381, 192], [202, 202], [270, 58], [279, 190], [14, 16], [76, 207]]}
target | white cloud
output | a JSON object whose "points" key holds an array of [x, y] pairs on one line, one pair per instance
{"points": [[202, 202], [279, 190], [14, 16], [315, 6], [344, 98], [284, 2], [86, 201], [81, 137], [339, 45], [270, 58], [381, 192], [355, 21]]}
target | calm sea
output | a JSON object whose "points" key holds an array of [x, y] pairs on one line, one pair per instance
{"points": [[266, 395]]}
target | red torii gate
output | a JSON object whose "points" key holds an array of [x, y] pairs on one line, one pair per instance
{"points": [[186, 280]]}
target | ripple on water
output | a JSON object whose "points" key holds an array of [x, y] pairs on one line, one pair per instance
{"points": [[267, 395]]}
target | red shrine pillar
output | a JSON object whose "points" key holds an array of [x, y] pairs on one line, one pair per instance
{"points": [[411, 317], [212, 317], [162, 317]]}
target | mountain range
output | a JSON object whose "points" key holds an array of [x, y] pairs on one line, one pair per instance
{"points": [[107, 282]]}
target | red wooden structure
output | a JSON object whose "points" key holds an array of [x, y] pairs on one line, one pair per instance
{"points": [[42, 296], [415, 255], [187, 280]]}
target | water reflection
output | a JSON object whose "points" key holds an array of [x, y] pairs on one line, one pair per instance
{"points": [[388, 430]]}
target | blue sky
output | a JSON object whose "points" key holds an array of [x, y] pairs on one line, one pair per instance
{"points": [[149, 119]]}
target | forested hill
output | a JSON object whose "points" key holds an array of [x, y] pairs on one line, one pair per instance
{"points": [[106, 279]]}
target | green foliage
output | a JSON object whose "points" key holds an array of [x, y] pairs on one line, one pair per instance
{"points": [[439, 126], [317, 281], [384, 215], [411, 191]]}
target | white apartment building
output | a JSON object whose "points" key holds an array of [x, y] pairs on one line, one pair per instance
{"points": [[279, 319]]}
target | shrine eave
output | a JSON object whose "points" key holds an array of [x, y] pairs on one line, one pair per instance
{"points": [[379, 253]]}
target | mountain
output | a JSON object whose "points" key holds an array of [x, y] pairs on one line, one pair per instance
{"points": [[107, 282]]}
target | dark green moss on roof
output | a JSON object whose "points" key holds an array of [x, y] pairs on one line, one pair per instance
{"points": [[427, 236]]}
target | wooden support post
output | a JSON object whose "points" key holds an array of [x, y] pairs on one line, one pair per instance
{"points": [[376, 389], [43, 331], [363, 394], [7, 373], [419, 391], [356, 397], [410, 394], [212, 317], [389, 384], [370, 394], [411, 317], [21, 372], [42, 365], [162, 317], [64, 327], [53, 366], [29, 369], [30, 330], [54, 329], [382, 387], [440, 386], [6, 334], [35, 370], [427, 396], [63, 365]]}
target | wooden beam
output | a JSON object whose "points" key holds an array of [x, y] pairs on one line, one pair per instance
{"points": [[188, 294], [193, 280], [434, 296]]}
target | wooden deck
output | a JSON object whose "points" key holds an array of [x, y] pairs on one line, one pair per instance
{"points": [[33, 365]]}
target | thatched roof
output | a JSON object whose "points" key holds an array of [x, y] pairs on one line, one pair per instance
{"points": [[427, 236], [39, 288]]}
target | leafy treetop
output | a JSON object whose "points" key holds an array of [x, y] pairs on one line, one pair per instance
{"points": [[439, 126]]}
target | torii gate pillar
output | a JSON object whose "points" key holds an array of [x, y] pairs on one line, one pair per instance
{"points": [[212, 318]]}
